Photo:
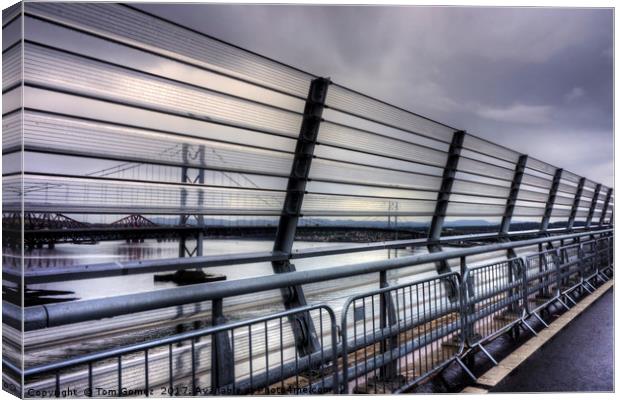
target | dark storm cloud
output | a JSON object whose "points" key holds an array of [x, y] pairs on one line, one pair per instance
{"points": [[537, 80]]}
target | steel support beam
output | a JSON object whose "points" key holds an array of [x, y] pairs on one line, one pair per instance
{"points": [[605, 206], [544, 225], [511, 202], [512, 197], [443, 197], [593, 206], [574, 209], [305, 336]]}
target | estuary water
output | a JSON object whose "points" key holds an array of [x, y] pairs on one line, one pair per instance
{"points": [[66, 255]]}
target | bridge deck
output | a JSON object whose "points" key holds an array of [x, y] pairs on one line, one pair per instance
{"points": [[589, 367]]}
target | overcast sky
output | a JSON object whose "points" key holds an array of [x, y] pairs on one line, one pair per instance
{"points": [[536, 80]]}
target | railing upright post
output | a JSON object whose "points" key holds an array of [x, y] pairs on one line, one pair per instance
{"points": [[542, 267], [512, 274], [544, 225], [222, 358], [522, 265], [557, 262], [605, 206], [305, 336], [443, 197], [467, 310], [593, 206], [610, 252], [574, 209], [581, 263], [387, 318]]}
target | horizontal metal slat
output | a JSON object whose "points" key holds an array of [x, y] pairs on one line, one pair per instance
{"points": [[62, 71], [137, 28], [82, 137], [73, 195], [355, 103], [358, 140]]}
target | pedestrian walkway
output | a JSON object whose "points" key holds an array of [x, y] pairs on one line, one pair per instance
{"points": [[578, 358]]}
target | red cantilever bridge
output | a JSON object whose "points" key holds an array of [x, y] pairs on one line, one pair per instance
{"points": [[51, 228], [47, 229]]}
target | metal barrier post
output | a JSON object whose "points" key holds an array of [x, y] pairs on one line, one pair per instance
{"points": [[542, 266], [610, 253], [557, 260], [468, 292], [583, 262], [496, 292], [387, 318], [222, 357]]}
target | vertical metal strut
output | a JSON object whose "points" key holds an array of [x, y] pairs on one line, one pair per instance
{"points": [[593, 206], [544, 225], [305, 336], [443, 197], [512, 197], [605, 206], [511, 202], [574, 209]]}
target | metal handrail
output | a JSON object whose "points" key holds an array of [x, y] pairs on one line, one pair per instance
{"points": [[89, 271], [461, 304], [254, 382], [44, 316]]}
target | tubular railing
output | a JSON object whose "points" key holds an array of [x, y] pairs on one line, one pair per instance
{"points": [[193, 363], [391, 338], [494, 299], [571, 270], [49, 315], [542, 280], [391, 332]]}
